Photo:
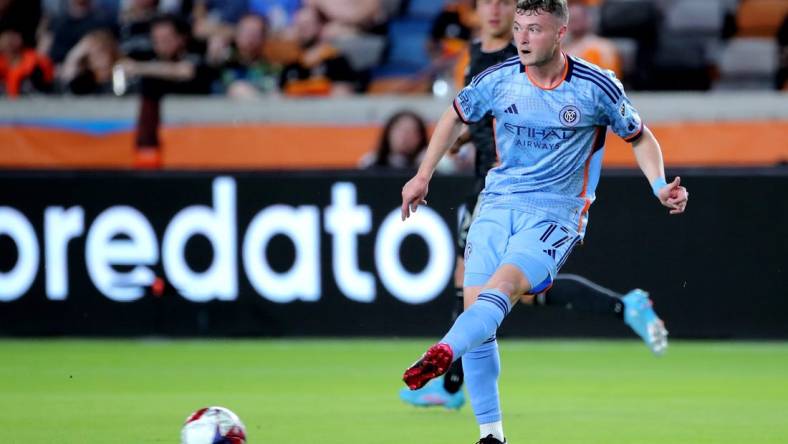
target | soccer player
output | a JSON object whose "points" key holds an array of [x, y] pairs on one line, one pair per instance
{"points": [[551, 112], [570, 292]]}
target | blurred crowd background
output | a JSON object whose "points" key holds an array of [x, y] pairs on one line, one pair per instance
{"points": [[387, 68], [248, 48]]}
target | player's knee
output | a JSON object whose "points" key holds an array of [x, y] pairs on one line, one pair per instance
{"points": [[530, 273], [505, 287], [470, 294], [510, 289], [510, 280]]}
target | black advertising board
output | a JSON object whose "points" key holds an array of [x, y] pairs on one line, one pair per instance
{"points": [[325, 253]]}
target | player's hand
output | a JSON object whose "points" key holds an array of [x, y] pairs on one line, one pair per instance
{"points": [[413, 194], [674, 196]]}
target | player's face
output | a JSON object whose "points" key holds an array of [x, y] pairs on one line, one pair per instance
{"points": [[495, 17], [538, 37]]}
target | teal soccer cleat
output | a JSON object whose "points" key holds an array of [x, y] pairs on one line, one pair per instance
{"points": [[432, 395], [640, 316]]}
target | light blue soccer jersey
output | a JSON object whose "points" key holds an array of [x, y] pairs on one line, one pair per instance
{"points": [[550, 142]]}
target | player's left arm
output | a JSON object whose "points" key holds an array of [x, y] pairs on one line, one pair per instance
{"points": [[649, 158], [625, 121]]}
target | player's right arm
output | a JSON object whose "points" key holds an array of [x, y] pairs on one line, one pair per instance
{"points": [[446, 132], [471, 105]]}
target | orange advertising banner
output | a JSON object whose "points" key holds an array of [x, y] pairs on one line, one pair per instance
{"points": [[278, 146]]}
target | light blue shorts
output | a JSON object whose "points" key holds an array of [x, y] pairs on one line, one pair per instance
{"points": [[538, 247]]}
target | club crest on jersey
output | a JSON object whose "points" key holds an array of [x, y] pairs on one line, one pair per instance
{"points": [[569, 115]]}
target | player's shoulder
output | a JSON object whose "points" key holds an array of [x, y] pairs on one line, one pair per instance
{"points": [[584, 65], [495, 72], [593, 76]]}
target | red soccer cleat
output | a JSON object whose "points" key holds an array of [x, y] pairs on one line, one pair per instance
{"points": [[435, 362]]}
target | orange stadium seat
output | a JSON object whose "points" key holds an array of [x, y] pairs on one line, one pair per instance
{"points": [[761, 18]]}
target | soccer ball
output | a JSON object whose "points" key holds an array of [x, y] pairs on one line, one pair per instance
{"points": [[213, 425]]}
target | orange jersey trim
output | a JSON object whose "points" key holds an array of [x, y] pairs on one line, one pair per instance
{"points": [[549, 88], [586, 170]]}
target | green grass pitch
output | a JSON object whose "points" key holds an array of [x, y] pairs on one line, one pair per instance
{"points": [[345, 391]]}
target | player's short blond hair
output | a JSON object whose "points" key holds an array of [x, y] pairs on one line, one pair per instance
{"points": [[558, 8]]}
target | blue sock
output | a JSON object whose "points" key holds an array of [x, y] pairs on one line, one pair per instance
{"points": [[478, 323], [482, 367]]}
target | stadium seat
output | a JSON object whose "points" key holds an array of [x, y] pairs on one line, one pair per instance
{"points": [[392, 7], [637, 19], [427, 9], [760, 18], [703, 17], [730, 5], [680, 63], [363, 52], [407, 51], [748, 62], [627, 52]]}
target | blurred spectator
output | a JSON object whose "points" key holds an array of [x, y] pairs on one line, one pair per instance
{"points": [[321, 69], [245, 72], [56, 8], [225, 11], [402, 143], [782, 67], [451, 31], [453, 27], [217, 18], [182, 8], [134, 28], [173, 70], [22, 70], [582, 40], [64, 31], [351, 17], [22, 15], [88, 66], [278, 13]]}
